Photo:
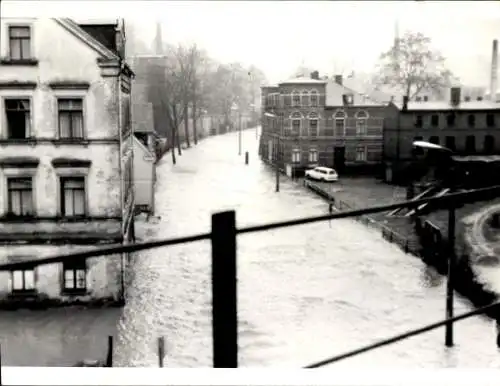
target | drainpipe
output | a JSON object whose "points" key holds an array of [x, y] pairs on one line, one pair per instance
{"points": [[120, 123]]}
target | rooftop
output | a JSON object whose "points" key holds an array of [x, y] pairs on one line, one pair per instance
{"points": [[445, 105], [303, 80]]}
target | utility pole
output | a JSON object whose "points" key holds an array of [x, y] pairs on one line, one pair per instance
{"points": [[239, 133], [277, 160]]}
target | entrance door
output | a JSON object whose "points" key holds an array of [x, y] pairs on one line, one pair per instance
{"points": [[339, 158]]}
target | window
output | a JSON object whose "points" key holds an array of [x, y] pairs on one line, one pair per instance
{"points": [[313, 156], [339, 124], [418, 99], [426, 98], [313, 125], [450, 143], [360, 153], [305, 98], [434, 139], [75, 276], [17, 112], [20, 196], [20, 42], [434, 120], [296, 155], [361, 118], [126, 124], [295, 99], [419, 121], [490, 120], [70, 118], [23, 281], [296, 123], [471, 120], [470, 144], [72, 196], [450, 120], [489, 144], [314, 98]]}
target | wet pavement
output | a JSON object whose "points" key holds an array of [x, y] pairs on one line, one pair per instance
{"points": [[304, 292]]}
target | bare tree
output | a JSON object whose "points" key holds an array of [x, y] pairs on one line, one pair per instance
{"points": [[413, 66]]}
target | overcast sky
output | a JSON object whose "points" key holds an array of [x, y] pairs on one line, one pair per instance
{"points": [[278, 35]]}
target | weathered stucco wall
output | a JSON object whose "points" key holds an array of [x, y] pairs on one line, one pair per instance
{"points": [[103, 277]]}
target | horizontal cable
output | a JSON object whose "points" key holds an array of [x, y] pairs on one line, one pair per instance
{"points": [[403, 336], [104, 252], [451, 199]]}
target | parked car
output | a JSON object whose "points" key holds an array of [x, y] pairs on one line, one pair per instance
{"points": [[322, 173]]}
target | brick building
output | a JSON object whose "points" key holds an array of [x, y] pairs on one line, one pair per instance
{"points": [[312, 121], [468, 127]]}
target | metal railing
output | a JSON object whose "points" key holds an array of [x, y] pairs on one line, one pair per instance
{"points": [[223, 238]]}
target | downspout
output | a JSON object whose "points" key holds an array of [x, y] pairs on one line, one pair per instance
{"points": [[120, 151]]}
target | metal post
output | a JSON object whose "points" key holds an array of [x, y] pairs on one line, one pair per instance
{"points": [[161, 350], [451, 265], [246, 158], [0, 364], [224, 291], [277, 167], [109, 358], [239, 133]]}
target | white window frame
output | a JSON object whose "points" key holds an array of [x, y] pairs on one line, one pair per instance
{"points": [[71, 94], [20, 94], [64, 172], [6, 43], [295, 94], [313, 156], [361, 150], [296, 155], [316, 94], [24, 289], [16, 172]]}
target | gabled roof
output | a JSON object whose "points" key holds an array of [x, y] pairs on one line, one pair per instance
{"points": [[72, 27]]}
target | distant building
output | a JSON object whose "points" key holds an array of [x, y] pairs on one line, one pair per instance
{"points": [[468, 127], [66, 158], [310, 121]]}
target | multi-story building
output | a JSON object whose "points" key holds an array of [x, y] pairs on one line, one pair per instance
{"points": [[468, 127], [310, 121], [66, 156]]}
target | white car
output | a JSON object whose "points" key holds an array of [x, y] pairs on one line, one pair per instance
{"points": [[322, 173]]}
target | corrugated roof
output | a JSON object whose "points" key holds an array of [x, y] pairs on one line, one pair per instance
{"points": [[303, 80], [445, 105]]}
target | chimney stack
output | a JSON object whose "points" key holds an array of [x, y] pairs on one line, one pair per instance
{"points": [[315, 75], [338, 79], [455, 96], [494, 71], [405, 103]]}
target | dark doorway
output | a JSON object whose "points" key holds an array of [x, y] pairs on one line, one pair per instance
{"points": [[339, 158]]}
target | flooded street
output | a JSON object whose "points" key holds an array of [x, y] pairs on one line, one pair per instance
{"points": [[305, 292]]}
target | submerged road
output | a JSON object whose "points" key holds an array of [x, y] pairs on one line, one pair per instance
{"points": [[305, 292]]}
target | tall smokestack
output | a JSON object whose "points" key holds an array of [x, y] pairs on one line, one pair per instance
{"points": [[494, 71]]}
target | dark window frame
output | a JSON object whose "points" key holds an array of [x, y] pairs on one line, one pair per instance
{"points": [[23, 290], [19, 39], [19, 108], [62, 181], [11, 190]]}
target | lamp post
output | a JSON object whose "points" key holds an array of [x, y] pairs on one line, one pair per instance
{"points": [[276, 158], [235, 107]]}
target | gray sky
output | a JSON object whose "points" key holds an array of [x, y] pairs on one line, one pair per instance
{"points": [[278, 36]]}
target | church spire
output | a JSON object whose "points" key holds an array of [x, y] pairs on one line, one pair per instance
{"points": [[158, 40]]}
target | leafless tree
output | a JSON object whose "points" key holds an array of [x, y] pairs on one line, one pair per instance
{"points": [[412, 65]]}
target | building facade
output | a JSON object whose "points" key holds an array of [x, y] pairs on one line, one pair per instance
{"points": [[468, 127], [308, 122], [66, 159]]}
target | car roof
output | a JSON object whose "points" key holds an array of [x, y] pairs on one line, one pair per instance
{"points": [[324, 168]]}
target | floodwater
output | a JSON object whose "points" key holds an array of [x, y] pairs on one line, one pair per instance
{"points": [[305, 292]]}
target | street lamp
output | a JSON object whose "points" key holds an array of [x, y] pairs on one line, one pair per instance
{"points": [[274, 116], [236, 108]]}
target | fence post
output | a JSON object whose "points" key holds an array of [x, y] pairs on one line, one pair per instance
{"points": [[224, 296], [109, 357], [246, 158], [451, 267], [161, 350], [0, 364]]}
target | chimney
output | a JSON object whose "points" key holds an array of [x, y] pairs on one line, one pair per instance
{"points": [[455, 96], [315, 75], [338, 79], [405, 103], [494, 71]]}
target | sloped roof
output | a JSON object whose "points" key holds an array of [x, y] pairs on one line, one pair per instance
{"points": [[303, 80], [445, 105], [334, 92]]}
